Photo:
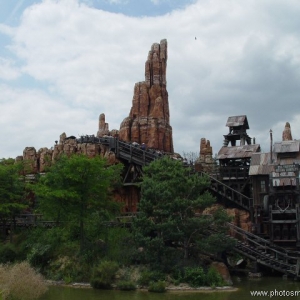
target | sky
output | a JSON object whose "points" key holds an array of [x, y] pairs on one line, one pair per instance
{"points": [[64, 62]]}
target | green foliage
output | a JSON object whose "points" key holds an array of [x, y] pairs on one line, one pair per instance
{"points": [[39, 255], [167, 219], [148, 276], [119, 245], [213, 278], [12, 191], [126, 285], [104, 274], [68, 268], [75, 187], [8, 253], [195, 277], [215, 243], [157, 287]]}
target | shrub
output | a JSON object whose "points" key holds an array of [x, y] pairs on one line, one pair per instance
{"points": [[119, 245], [39, 255], [126, 285], [213, 278], [194, 276], [21, 282], [157, 287], [103, 275], [7, 254], [150, 276]]}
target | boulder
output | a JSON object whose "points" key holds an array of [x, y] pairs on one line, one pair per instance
{"points": [[222, 269]]}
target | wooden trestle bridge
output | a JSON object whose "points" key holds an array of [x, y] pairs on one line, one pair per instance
{"points": [[254, 247]]}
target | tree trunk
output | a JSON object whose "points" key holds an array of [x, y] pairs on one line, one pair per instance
{"points": [[186, 250], [82, 237]]}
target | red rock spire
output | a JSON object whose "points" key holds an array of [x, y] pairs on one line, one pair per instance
{"points": [[149, 117]]}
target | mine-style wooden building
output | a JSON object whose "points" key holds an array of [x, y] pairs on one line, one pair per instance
{"points": [[265, 184]]}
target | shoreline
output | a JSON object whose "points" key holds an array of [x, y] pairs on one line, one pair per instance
{"points": [[171, 288]]}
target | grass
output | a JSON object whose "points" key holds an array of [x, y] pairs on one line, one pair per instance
{"points": [[21, 282]]}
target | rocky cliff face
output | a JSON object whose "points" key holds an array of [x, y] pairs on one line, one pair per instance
{"points": [[149, 118], [38, 161], [148, 122]]}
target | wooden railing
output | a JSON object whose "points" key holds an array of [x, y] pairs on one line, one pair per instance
{"points": [[264, 252], [230, 194]]}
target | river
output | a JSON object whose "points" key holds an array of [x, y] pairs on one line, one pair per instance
{"points": [[271, 285]]}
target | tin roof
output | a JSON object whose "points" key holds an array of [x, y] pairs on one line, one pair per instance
{"points": [[238, 151], [260, 164], [238, 121], [287, 146]]}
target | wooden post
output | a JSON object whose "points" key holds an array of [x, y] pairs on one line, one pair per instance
{"points": [[298, 267]]}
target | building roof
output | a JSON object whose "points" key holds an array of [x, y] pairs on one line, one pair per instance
{"points": [[238, 151], [238, 121], [260, 164], [287, 146]]}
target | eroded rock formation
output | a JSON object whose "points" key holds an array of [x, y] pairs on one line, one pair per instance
{"points": [[222, 269], [287, 133], [205, 162], [149, 118], [30, 155], [38, 161], [103, 127], [240, 218]]}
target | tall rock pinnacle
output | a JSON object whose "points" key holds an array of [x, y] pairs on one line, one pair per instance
{"points": [[149, 117], [287, 133]]}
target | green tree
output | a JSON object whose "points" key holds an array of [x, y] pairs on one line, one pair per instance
{"points": [[170, 211], [75, 187], [12, 191]]}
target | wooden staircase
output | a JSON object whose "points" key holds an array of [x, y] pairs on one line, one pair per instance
{"points": [[229, 194], [264, 252]]}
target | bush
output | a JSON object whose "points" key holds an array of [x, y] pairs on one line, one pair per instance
{"points": [[150, 276], [119, 246], [157, 287], [7, 254], [213, 278], [103, 275], [195, 277], [21, 282], [39, 255], [126, 285]]}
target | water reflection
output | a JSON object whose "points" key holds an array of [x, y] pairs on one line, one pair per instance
{"points": [[245, 286]]}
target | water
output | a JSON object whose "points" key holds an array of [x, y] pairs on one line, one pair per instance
{"points": [[244, 285]]}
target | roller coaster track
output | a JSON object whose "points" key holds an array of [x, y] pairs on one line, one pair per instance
{"points": [[264, 252], [132, 153], [129, 152], [250, 245]]}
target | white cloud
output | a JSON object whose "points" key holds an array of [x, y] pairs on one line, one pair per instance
{"points": [[245, 60], [32, 118], [7, 70], [5, 29]]}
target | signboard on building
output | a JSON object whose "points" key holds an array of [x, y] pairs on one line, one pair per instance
{"points": [[287, 168]]}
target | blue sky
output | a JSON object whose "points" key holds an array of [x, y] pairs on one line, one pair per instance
{"points": [[63, 63], [11, 10]]}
